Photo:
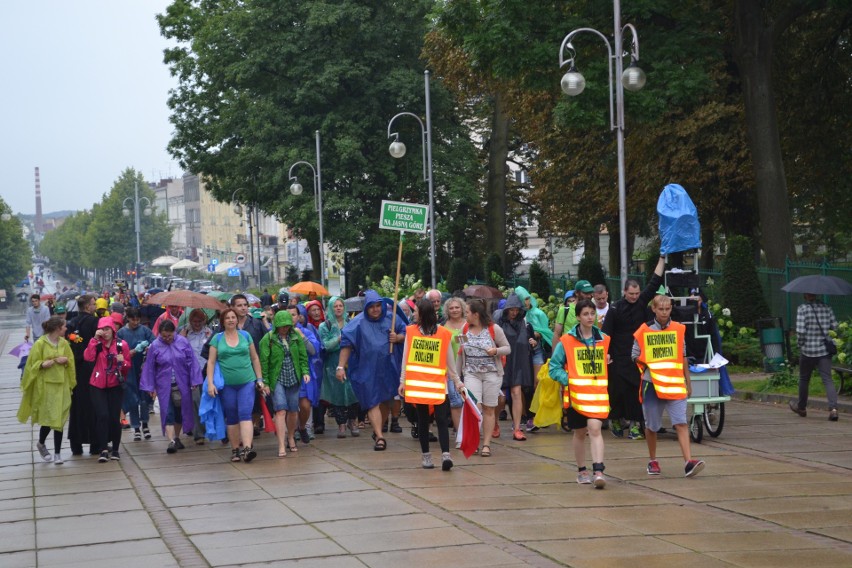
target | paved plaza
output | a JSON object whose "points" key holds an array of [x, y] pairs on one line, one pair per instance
{"points": [[776, 492]]}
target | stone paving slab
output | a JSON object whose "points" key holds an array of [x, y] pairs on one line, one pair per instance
{"points": [[762, 500]]}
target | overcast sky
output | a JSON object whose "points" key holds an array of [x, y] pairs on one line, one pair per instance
{"points": [[83, 97]]}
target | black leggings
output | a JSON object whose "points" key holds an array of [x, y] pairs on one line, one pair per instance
{"points": [[442, 419], [106, 404], [57, 438]]}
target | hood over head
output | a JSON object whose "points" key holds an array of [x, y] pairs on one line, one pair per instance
{"points": [[282, 318]]}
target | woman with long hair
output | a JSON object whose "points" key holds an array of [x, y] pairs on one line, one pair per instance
{"points": [[480, 360], [339, 395], [423, 382], [454, 311]]}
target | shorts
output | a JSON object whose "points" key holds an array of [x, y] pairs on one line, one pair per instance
{"points": [[653, 406], [238, 402], [575, 420], [456, 400], [285, 398], [173, 414], [538, 355], [485, 387]]}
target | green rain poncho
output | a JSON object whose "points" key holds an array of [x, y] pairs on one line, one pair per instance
{"points": [[334, 392], [535, 317]]}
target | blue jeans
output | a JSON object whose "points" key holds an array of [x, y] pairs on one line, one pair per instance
{"points": [[136, 404]]}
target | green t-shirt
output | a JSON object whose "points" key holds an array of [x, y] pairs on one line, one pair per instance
{"points": [[235, 362]]}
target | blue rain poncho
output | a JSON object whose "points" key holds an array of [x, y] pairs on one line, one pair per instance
{"points": [[679, 226], [373, 371]]}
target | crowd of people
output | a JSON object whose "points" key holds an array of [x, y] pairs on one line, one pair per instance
{"points": [[215, 375]]}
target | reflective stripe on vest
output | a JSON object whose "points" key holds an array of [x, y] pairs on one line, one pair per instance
{"points": [[662, 352], [587, 377], [426, 365]]}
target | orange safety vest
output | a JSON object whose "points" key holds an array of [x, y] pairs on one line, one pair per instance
{"points": [[426, 365], [662, 352], [587, 376]]}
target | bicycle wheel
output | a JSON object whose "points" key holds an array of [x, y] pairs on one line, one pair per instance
{"points": [[696, 429], [714, 418]]}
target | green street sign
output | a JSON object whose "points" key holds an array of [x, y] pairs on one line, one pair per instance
{"points": [[406, 217]]}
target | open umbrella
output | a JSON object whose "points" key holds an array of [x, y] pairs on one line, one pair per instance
{"points": [[47, 296], [184, 264], [69, 295], [818, 284], [224, 296], [21, 350], [354, 304], [153, 291], [252, 299], [164, 260], [307, 287], [481, 291], [186, 299]]}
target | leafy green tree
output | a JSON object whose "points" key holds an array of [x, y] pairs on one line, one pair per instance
{"points": [[457, 275], [741, 290], [65, 244], [493, 266], [110, 239], [16, 251], [257, 79], [590, 269], [539, 280]]}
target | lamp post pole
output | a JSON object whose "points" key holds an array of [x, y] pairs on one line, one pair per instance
{"points": [[633, 79], [296, 189], [397, 150], [239, 211], [126, 212]]}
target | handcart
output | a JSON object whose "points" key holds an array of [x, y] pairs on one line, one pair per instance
{"points": [[708, 405]]}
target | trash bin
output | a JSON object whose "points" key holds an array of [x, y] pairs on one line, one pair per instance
{"points": [[772, 343]]}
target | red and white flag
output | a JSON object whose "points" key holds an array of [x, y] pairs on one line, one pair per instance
{"points": [[469, 426]]}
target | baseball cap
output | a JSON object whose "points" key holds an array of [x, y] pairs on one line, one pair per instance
{"points": [[583, 286]]}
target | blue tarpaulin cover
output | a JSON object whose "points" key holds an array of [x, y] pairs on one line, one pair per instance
{"points": [[679, 226]]}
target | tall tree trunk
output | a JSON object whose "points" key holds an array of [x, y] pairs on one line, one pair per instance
{"points": [[754, 43], [592, 245], [708, 248], [498, 153]]}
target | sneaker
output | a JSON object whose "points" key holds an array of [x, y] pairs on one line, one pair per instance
{"points": [[172, 449], [57, 459], [414, 433], [310, 429], [458, 445], [306, 438], [427, 462], [599, 481], [692, 467], [616, 428], [503, 415], [635, 433], [179, 445], [395, 427], [42, 449], [446, 462], [532, 428], [832, 415], [583, 478], [654, 467], [145, 431], [104, 457], [496, 432], [125, 424], [137, 435], [114, 456], [518, 436]]}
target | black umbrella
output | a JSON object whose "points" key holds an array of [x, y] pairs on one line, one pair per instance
{"points": [[818, 284], [68, 295], [354, 304]]}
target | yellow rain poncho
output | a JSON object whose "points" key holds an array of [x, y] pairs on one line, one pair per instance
{"points": [[547, 400]]}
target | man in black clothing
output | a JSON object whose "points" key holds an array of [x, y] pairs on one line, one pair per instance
{"points": [[622, 320], [81, 421], [265, 299]]}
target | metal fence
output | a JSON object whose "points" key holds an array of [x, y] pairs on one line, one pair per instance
{"points": [[781, 304]]}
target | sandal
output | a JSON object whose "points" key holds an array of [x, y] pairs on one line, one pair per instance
{"points": [[249, 454], [235, 455], [381, 445], [292, 448], [485, 452], [282, 454]]}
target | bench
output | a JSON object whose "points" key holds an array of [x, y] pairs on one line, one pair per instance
{"points": [[841, 372]]}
